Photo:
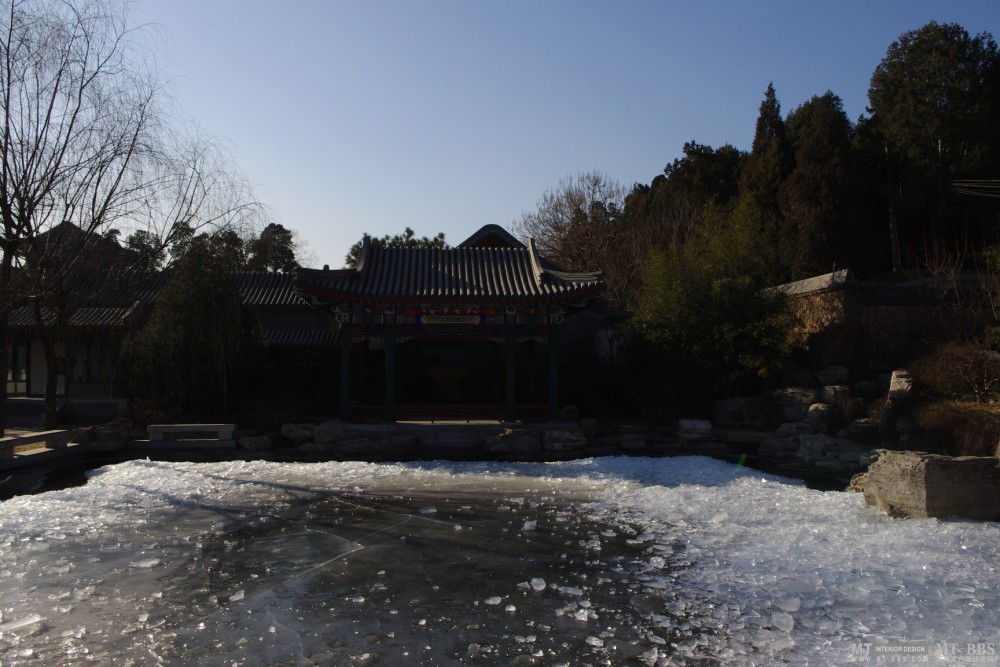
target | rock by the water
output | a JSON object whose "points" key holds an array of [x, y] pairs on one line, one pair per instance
{"points": [[589, 427], [694, 429], [792, 403], [742, 412], [563, 440], [515, 441], [328, 431], [835, 394], [111, 436], [863, 430], [815, 446], [920, 485], [19, 483], [255, 443], [298, 433], [796, 428], [821, 416], [569, 413], [633, 442], [393, 445]]}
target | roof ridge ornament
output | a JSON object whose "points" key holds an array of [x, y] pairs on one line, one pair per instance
{"points": [[536, 261], [366, 247]]}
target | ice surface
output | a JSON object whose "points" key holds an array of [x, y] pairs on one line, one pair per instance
{"points": [[628, 560]]}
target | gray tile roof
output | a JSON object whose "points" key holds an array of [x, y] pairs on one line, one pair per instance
{"points": [[113, 308], [300, 337], [87, 317], [268, 289], [491, 274]]}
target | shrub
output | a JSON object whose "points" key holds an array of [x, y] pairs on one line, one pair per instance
{"points": [[961, 428], [705, 321], [961, 371]]}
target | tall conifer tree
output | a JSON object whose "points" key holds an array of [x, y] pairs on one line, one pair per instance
{"points": [[814, 196], [760, 187]]}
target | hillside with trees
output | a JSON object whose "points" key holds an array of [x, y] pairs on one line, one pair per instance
{"points": [[907, 189]]}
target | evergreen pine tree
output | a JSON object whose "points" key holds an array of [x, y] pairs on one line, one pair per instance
{"points": [[761, 182]]}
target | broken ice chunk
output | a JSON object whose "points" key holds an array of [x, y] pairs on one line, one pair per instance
{"points": [[493, 600], [428, 510], [790, 604], [20, 623], [537, 584], [782, 621]]}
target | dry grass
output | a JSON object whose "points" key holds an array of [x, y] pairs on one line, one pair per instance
{"points": [[961, 371], [965, 428]]}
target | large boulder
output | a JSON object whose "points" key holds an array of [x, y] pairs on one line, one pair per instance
{"points": [[328, 431], [778, 446], [111, 436], [515, 441], [563, 440], [569, 413], [814, 447], [792, 403], [742, 412], [694, 429], [821, 417], [389, 446], [255, 443], [633, 442], [298, 433], [835, 394], [920, 485], [900, 386]]}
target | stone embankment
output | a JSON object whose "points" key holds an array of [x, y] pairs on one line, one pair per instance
{"points": [[822, 426], [819, 429]]}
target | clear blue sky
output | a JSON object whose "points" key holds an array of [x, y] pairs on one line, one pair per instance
{"points": [[445, 115]]}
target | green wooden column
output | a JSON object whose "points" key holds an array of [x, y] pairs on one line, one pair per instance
{"points": [[345, 364], [509, 349], [553, 370], [390, 371]]}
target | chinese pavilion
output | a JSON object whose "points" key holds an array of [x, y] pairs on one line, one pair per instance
{"points": [[470, 332]]}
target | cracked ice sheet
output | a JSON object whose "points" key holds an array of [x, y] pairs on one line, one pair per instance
{"points": [[673, 559]]}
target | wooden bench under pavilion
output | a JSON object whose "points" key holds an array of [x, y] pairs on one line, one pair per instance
{"points": [[464, 333]]}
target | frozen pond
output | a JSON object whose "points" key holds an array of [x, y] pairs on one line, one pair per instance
{"points": [[602, 561]]}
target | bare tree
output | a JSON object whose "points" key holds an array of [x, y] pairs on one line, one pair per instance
{"points": [[89, 154], [579, 225]]}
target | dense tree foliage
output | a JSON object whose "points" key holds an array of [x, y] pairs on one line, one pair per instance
{"points": [[273, 251], [672, 205], [198, 345], [816, 196], [935, 100], [761, 181], [408, 239], [704, 319]]}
